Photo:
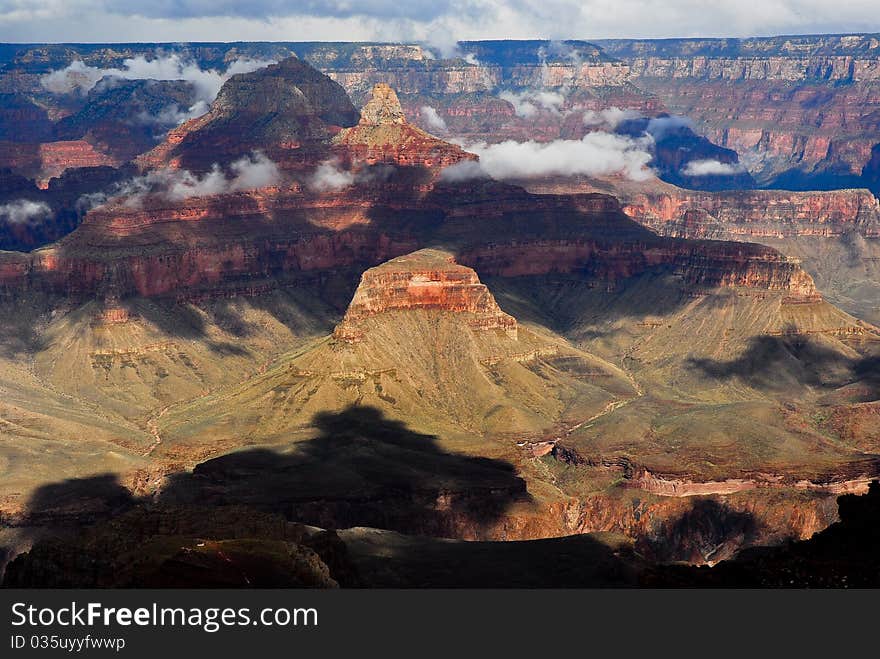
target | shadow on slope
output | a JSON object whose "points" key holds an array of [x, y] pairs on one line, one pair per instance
{"points": [[777, 362], [845, 555], [710, 530], [390, 560], [361, 470], [82, 499]]}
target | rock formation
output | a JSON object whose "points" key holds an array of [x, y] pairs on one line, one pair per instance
{"points": [[427, 279], [128, 117], [286, 110], [758, 214], [173, 247], [384, 136]]}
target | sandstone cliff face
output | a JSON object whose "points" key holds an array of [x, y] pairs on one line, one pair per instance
{"points": [[756, 213], [58, 157], [465, 91], [592, 239], [491, 64], [810, 126], [426, 279], [833, 234]]}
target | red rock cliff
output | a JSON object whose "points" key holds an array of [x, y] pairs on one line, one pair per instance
{"points": [[205, 243], [756, 213], [428, 279]]}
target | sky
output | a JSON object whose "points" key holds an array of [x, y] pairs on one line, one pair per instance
{"points": [[437, 22]]}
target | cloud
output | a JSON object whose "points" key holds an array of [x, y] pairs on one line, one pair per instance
{"points": [[433, 120], [91, 200], [24, 211], [172, 115], [443, 42], [597, 154], [80, 78], [253, 172], [528, 103], [466, 170], [658, 127], [711, 168], [77, 76], [248, 173], [329, 177], [38, 21], [609, 117]]}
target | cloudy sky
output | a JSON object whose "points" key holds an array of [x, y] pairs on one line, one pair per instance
{"points": [[434, 21]]}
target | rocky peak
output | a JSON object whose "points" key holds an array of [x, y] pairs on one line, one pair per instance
{"points": [[384, 136], [428, 279], [383, 108], [284, 107]]}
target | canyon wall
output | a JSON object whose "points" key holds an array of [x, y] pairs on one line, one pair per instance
{"points": [[755, 213], [807, 104], [175, 248]]}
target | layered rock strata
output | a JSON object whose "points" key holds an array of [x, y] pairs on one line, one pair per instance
{"points": [[426, 279]]}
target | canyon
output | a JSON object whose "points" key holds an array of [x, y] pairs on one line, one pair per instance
{"points": [[285, 310]]}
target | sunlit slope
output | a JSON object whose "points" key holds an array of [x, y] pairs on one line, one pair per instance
{"points": [[737, 383]]}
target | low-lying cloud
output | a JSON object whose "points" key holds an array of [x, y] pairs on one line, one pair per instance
{"points": [[710, 167], [528, 103], [659, 127], [79, 77], [597, 154], [433, 120], [248, 173], [466, 170], [609, 117], [330, 177], [172, 115], [24, 211]]}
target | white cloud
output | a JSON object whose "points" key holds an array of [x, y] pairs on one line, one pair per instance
{"points": [[78, 77], [466, 170], [334, 20], [597, 154], [711, 167], [173, 115], [433, 119], [248, 173], [609, 117], [659, 126], [329, 176], [253, 172], [24, 211], [529, 102]]}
